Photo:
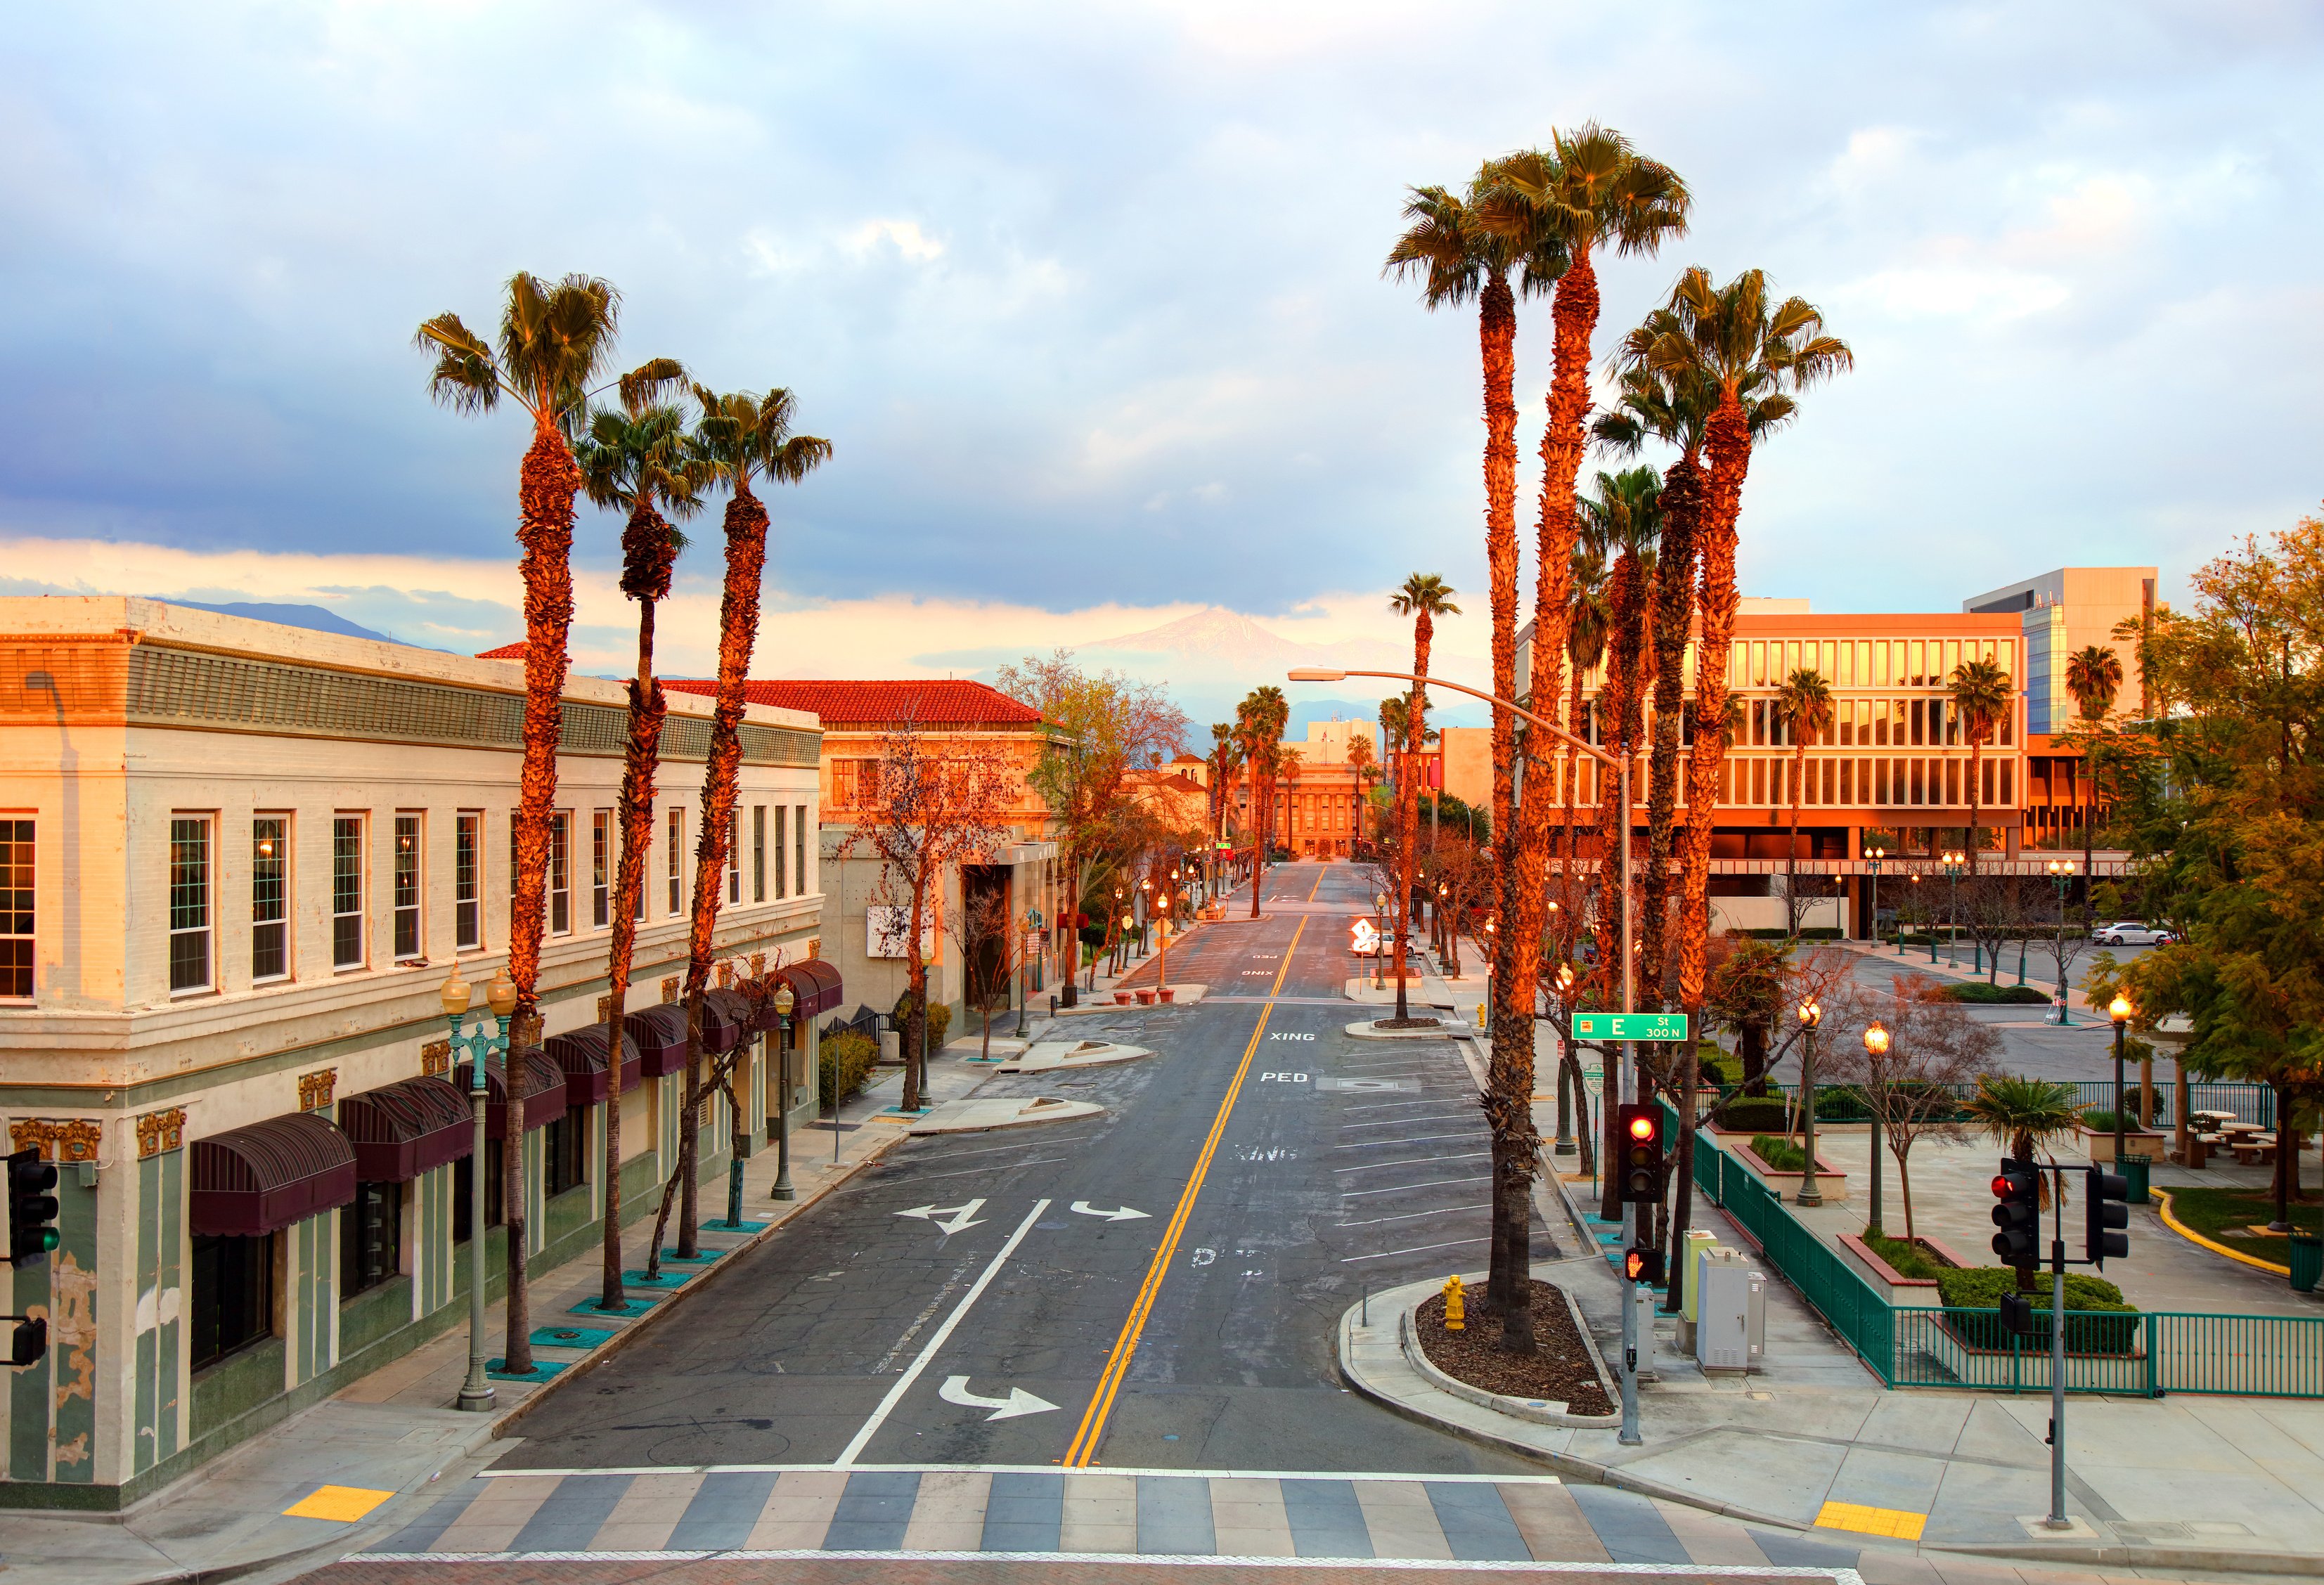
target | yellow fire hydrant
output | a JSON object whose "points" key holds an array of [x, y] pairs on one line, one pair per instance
{"points": [[1453, 1305]]}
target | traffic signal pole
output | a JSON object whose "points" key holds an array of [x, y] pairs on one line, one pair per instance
{"points": [[2057, 1519]]}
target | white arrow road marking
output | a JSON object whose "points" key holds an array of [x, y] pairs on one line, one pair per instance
{"points": [[1124, 1214], [920, 1360], [1019, 1402], [951, 1218]]}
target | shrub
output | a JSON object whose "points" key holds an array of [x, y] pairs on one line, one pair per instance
{"points": [[846, 1062], [939, 1020], [1977, 990], [1779, 1153], [1092, 935], [1814, 933], [1715, 1066], [1755, 1113], [1842, 1103], [2097, 1318], [2100, 1119]]}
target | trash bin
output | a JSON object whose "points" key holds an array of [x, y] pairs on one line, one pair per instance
{"points": [[2307, 1262], [2133, 1169]]}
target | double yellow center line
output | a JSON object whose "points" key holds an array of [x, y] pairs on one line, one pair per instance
{"points": [[1083, 1450]]}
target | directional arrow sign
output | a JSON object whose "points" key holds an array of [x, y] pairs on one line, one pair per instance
{"points": [[1019, 1402], [951, 1218], [1629, 1026], [1124, 1214]]}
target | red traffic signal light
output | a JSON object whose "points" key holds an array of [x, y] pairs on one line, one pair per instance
{"points": [[2018, 1188], [1644, 1265], [1640, 1127]]}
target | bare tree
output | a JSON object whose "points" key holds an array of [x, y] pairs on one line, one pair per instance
{"points": [[1933, 1044], [1998, 916], [985, 934]]}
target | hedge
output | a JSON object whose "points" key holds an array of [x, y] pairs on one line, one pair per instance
{"points": [[1977, 990], [2097, 1318], [1755, 1113], [848, 1058]]}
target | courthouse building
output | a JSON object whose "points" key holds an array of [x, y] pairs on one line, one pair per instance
{"points": [[237, 860]]}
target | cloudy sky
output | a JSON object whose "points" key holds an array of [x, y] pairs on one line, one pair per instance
{"points": [[1088, 297]]}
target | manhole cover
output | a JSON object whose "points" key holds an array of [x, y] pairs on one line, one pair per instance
{"points": [[1367, 1084]]}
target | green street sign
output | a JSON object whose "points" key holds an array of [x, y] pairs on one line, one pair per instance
{"points": [[1629, 1026]]}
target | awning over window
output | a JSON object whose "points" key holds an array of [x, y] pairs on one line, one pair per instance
{"points": [[403, 1130], [540, 1092], [729, 1018], [817, 985], [266, 1177], [660, 1032], [581, 1052]]}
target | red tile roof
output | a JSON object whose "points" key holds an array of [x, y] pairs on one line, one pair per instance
{"points": [[938, 702], [505, 652]]}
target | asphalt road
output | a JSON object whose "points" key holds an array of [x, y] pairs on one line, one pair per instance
{"points": [[1279, 1167]]}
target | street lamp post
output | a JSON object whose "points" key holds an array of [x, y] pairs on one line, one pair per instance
{"points": [[1872, 863], [1875, 1045], [2118, 1010], [1566, 1144], [1379, 935], [1953, 863], [785, 999], [2061, 877], [489, 1040], [1810, 1015], [1162, 947]]}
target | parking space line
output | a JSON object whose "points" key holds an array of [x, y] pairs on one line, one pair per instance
{"points": [[1482, 1177], [1423, 1249], [1413, 1161]]}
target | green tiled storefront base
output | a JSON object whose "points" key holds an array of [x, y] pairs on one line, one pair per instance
{"points": [[241, 1396]]}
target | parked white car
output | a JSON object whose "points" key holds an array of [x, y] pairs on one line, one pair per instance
{"points": [[2133, 933]]}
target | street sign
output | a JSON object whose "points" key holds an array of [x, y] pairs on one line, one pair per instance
{"points": [[1629, 1026]]}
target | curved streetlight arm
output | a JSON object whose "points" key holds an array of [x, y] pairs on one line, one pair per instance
{"points": [[1325, 674]]}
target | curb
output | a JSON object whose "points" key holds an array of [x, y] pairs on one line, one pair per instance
{"points": [[1416, 1356], [2162, 1198]]}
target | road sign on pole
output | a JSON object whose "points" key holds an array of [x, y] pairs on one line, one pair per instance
{"points": [[1629, 1026]]}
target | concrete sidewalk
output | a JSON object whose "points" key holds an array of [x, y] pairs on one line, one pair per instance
{"points": [[381, 1448]]}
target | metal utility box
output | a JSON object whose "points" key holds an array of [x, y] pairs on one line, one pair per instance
{"points": [[1732, 1317], [1691, 1248]]}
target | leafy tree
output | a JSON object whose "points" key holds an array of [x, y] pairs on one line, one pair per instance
{"points": [[1981, 697], [1803, 704]]}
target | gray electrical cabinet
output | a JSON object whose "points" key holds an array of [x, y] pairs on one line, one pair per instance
{"points": [[1730, 1330]]}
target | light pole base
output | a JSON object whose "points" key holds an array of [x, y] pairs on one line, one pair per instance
{"points": [[1807, 1197], [477, 1400], [783, 1191]]}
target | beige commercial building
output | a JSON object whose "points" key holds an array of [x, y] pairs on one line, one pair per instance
{"points": [[2065, 611]]}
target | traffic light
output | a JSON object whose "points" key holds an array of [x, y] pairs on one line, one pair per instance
{"points": [[2018, 1188], [32, 1209], [2017, 1314], [2107, 1202], [1640, 1127], [1646, 1265], [32, 1343]]}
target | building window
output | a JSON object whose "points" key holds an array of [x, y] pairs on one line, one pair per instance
{"points": [[734, 856], [782, 866], [270, 888], [467, 910], [644, 862], [758, 853], [346, 892], [463, 1171], [798, 837], [189, 902], [16, 910], [371, 1238], [560, 873], [234, 1294], [565, 1152], [677, 860], [408, 941], [600, 847]]}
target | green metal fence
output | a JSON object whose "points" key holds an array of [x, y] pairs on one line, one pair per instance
{"points": [[2146, 1354], [2252, 1103]]}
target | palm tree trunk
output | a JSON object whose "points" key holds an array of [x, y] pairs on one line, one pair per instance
{"points": [[738, 631], [639, 758], [1976, 788], [1408, 800], [547, 485], [2090, 820], [1729, 455], [1674, 618], [1573, 723], [1509, 1077], [1792, 844], [1260, 815], [1618, 720]]}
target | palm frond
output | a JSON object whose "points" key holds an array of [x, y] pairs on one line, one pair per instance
{"points": [[465, 378]]}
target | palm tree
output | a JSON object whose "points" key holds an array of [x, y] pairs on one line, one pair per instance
{"points": [[2020, 1115], [1731, 342], [556, 338], [636, 456], [738, 436], [1981, 695], [1623, 519], [1458, 257], [1803, 704], [1223, 762], [1424, 597], [1259, 721], [2094, 677], [1587, 616]]}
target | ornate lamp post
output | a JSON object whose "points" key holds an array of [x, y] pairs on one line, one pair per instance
{"points": [[1162, 945], [1379, 916], [1875, 1045], [784, 1002], [1810, 1015], [1566, 1144], [489, 1040], [2061, 877], [1872, 865], [1954, 862], [1025, 984], [2119, 1011]]}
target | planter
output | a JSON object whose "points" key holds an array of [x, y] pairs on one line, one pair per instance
{"points": [[1122, 998], [1539, 1411], [1831, 1182], [2141, 1145], [1146, 999], [1167, 993], [2089, 1335], [1889, 1274]]}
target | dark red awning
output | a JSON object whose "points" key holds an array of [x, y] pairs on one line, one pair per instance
{"points": [[581, 1052], [815, 983], [265, 1177], [660, 1032], [540, 1092], [402, 1130], [729, 1018]]}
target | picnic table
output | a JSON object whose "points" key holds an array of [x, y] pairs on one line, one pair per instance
{"points": [[2214, 1117]]}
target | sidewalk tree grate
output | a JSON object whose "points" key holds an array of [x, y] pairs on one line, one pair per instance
{"points": [[567, 1337], [667, 1279], [723, 1226], [626, 1307], [705, 1256], [542, 1369]]}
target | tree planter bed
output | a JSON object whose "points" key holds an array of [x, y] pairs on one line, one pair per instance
{"points": [[1889, 1274], [1830, 1183]]}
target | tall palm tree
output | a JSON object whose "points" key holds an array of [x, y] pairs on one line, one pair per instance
{"points": [[636, 457], [1259, 721], [1803, 704], [1734, 342], [2094, 678], [1588, 189], [1587, 616], [1981, 695], [2020, 1115], [554, 340], [1424, 597], [1223, 762], [1458, 257], [739, 437]]}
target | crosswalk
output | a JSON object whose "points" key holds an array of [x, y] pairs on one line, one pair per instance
{"points": [[1450, 1520]]}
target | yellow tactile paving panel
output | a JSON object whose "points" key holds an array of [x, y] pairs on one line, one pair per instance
{"points": [[1900, 1523], [345, 1504]]}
